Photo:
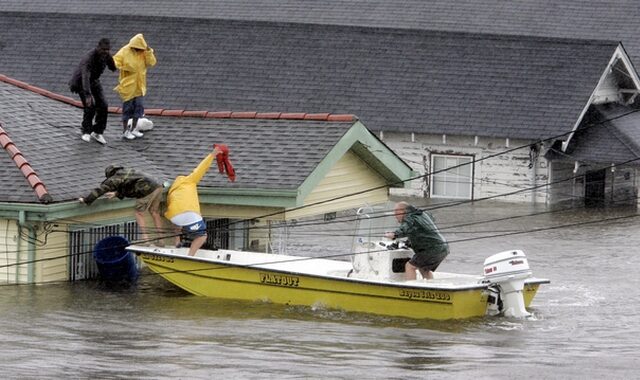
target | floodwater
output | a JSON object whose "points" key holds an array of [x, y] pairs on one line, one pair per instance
{"points": [[585, 323]]}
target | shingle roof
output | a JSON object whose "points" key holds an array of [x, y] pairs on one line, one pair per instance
{"points": [[267, 153], [611, 20], [394, 79], [612, 137]]}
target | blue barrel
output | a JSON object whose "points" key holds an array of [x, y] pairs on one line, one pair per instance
{"points": [[115, 263]]}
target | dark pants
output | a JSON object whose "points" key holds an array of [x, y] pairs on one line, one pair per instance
{"points": [[99, 109]]}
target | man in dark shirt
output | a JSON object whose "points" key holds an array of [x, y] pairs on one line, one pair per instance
{"points": [[85, 81]]}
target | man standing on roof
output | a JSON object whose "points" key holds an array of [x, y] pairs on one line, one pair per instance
{"points": [[133, 60], [183, 205], [85, 81], [429, 245], [129, 183]]}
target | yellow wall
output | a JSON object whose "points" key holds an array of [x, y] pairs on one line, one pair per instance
{"points": [[349, 175], [52, 259], [239, 212], [9, 255]]}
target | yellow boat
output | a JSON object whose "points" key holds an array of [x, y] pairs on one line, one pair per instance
{"points": [[373, 282]]}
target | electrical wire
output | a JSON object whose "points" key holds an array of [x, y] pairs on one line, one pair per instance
{"points": [[411, 179]]}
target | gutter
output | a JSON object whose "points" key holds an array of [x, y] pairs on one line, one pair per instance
{"points": [[30, 212]]}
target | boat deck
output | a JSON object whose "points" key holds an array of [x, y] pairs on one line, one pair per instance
{"points": [[318, 267]]}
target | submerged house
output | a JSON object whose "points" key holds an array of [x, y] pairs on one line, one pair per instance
{"points": [[288, 166], [455, 104]]}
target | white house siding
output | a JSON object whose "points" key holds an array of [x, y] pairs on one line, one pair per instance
{"points": [[569, 191], [620, 186], [495, 174]]}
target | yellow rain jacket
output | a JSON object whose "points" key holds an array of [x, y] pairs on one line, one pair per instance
{"points": [[132, 81], [183, 193]]}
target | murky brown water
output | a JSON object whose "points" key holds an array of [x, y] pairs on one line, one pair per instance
{"points": [[585, 324]]}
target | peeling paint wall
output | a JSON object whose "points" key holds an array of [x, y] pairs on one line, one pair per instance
{"points": [[620, 185], [495, 173]]}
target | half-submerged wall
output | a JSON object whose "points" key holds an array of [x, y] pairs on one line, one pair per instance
{"points": [[494, 169]]}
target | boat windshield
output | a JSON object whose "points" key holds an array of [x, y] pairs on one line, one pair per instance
{"points": [[371, 224]]}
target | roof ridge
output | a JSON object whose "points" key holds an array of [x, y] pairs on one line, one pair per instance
{"points": [[25, 167], [432, 31], [190, 113]]}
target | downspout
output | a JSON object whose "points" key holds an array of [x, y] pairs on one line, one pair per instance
{"points": [[31, 247], [576, 166], [613, 180], [31, 256], [18, 250], [534, 154], [534, 184]]}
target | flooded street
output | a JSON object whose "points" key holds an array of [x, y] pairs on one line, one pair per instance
{"points": [[585, 323]]}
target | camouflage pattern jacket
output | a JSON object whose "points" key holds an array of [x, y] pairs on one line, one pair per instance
{"points": [[127, 183]]}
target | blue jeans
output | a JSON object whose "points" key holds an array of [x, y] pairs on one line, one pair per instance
{"points": [[133, 108]]}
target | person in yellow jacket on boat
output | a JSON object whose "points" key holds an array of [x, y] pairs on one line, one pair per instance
{"points": [[183, 205], [132, 60]]}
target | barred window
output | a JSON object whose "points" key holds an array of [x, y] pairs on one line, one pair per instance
{"points": [[82, 265]]}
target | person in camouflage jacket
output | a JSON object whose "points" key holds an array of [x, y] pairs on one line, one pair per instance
{"points": [[429, 246], [129, 183]]}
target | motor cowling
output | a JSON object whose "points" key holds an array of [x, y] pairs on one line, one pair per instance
{"points": [[507, 271]]}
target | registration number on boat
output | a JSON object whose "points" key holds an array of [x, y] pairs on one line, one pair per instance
{"points": [[152, 257], [425, 295], [279, 280]]}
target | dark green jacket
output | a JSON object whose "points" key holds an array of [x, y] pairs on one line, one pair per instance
{"points": [[127, 183], [422, 232]]}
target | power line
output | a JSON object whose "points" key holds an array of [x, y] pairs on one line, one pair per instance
{"points": [[397, 182]]}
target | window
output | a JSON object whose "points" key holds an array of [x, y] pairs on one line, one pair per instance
{"points": [[456, 182]]}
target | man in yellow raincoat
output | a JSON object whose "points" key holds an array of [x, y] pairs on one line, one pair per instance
{"points": [[183, 205], [132, 60]]}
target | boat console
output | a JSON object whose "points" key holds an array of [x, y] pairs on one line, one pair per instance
{"points": [[380, 260]]}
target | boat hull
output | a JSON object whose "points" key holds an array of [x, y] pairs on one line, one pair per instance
{"points": [[246, 282]]}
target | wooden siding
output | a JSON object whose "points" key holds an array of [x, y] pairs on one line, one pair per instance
{"points": [[52, 259], [493, 176], [9, 236], [620, 186], [240, 212], [566, 191], [349, 175]]}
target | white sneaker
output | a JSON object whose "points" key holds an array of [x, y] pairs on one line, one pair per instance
{"points": [[128, 135], [86, 137], [137, 133], [99, 138]]}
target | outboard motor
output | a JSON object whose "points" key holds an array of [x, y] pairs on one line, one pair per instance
{"points": [[506, 272]]}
